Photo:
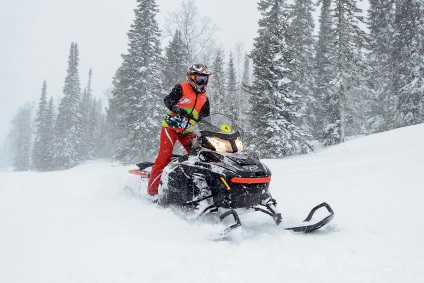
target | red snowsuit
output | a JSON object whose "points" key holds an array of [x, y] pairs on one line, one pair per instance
{"points": [[178, 128]]}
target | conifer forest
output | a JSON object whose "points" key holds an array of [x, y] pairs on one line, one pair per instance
{"points": [[356, 73]]}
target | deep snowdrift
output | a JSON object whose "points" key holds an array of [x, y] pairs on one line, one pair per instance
{"points": [[78, 225]]}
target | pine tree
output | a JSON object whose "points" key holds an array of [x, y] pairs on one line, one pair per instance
{"points": [[50, 136], [175, 62], [380, 24], [21, 137], [323, 65], [216, 87], [407, 77], [86, 145], [137, 97], [273, 103], [98, 131], [69, 119], [244, 97], [302, 43], [342, 100], [232, 90], [41, 151]]}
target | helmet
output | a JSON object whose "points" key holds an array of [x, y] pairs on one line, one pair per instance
{"points": [[198, 76], [198, 69]]}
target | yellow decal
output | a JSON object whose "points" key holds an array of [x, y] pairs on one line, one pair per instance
{"points": [[225, 183], [226, 128]]}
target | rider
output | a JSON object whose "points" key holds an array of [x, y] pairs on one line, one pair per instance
{"points": [[187, 104]]}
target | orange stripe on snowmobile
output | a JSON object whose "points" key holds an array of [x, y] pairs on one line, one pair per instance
{"points": [[251, 180], [139, 173]]}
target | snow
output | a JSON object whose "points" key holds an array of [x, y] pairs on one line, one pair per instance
{"points": [[78, 225]]}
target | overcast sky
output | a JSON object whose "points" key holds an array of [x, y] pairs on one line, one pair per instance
{"points": [[36, 36]]}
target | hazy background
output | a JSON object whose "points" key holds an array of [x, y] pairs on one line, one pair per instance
{"points": [[35, 38]]}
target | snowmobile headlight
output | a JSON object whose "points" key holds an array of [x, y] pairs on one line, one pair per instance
{"points": [[220, 145], [239, 145]]}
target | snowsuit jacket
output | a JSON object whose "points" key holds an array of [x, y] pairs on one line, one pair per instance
{"points": [[185, 96]]}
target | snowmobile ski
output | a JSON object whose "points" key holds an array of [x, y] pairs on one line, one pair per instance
{"points": [[316, 226], [222, 234]]}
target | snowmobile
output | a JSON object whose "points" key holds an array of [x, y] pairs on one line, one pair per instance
{"points": [[219, 178]]}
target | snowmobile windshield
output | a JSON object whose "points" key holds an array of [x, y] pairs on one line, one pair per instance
{"points": [[218, 132]]}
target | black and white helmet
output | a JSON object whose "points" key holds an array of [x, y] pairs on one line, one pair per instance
{"points": [[198, 76], [198, 69]]}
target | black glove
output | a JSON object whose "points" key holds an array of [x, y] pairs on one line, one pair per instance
{"points": [[179, 110]]}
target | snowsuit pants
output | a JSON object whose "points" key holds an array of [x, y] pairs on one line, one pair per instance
{"points": [[168, 138]]}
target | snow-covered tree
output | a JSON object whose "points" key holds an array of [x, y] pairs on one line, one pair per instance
{"points": [[69, 118], [216, 86], [244, 96], [96, 129], [231, 88], [274, 104], [302, 43], [50, 136], [21, 137], [239, 58], [407, 77], [42, 150], [342, 100], [380, 45], [137, 102], [323, 65], [92, 129], [87, 127], [175, 62]]}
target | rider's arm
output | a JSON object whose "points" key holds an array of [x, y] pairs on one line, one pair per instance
{"points": [[205, 111], [172, 98]]}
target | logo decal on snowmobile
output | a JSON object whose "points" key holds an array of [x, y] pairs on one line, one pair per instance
{"points": [[253, 168], [226, 128]]}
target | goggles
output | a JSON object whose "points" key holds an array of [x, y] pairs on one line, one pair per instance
{"points": [[200, 79]]}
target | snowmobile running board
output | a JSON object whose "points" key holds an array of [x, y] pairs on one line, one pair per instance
{"points": [[316, 226]]}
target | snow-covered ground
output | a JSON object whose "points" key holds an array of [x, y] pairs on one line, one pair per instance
{"points": [[78, 225]]}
